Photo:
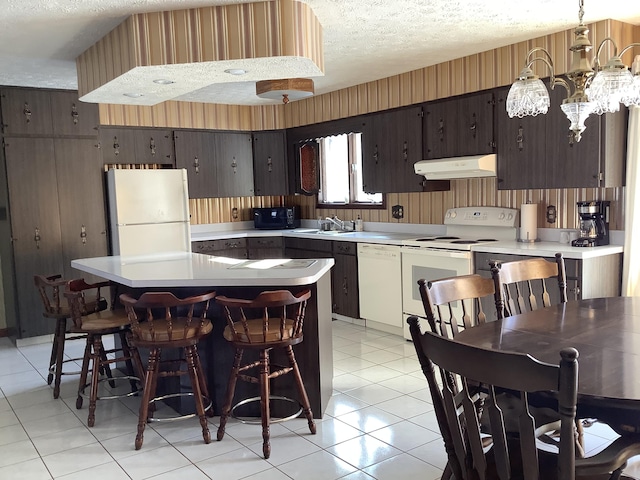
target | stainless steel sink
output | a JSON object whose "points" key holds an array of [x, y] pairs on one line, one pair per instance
{"points": [[324, 232]]}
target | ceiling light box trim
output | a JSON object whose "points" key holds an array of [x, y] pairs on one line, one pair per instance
{"points": [[193, 48]]}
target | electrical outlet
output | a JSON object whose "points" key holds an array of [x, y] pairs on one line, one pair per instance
{"points": [[397, 211], [551, 214]]}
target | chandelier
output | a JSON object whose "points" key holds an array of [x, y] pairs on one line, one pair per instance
{"points": [[591, 88]]}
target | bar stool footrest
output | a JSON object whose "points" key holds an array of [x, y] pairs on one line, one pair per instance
{"points": [[206, 401], [258, 421], [52, 367], [112, 379]]}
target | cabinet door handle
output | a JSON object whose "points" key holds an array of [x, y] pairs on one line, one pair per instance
{"points": [[441, 130], [473, 127], [196, 164], [74, 113], [269, 164], [345, 285], [375, 154], [405, 151], [234, 165], [520, 138], [152, 147], [36, 237], [83, 234], [116, 146], [27, 112]]}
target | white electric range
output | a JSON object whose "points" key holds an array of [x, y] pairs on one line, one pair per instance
{"points": [[450, 255]]}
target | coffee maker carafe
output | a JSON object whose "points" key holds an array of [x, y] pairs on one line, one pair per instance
{"points": [[594, 224]]}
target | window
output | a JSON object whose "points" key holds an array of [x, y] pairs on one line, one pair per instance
{"points": [[341, 171]]}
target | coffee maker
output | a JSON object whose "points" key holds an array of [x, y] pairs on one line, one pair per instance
{"points": [[594, 224]]}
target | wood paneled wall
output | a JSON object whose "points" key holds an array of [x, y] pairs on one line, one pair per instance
{"points": [[481, 71]]}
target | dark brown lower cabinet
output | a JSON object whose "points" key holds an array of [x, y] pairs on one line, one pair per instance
{"points": [[265, 247], [344, 274], [345, 279], [228, 247]]}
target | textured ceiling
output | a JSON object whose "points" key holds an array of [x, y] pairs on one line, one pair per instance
{"points": [[364, 40]]}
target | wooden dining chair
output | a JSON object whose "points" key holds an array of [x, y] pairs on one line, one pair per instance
{"points": [[454, 303], [524, 285], [510, 454], [468, 457]]}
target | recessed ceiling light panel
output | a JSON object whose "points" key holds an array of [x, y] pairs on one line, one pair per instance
{"points": [[235, 71]]}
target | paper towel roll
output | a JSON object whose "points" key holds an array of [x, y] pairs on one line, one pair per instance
{"points": [[528, 222]]}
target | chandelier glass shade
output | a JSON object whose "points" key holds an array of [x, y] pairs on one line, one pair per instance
{"points": [[590, 87]]}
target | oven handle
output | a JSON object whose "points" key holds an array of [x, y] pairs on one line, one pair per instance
{"points": [[436, 252]]}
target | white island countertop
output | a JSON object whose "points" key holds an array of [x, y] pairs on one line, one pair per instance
{"points": [[182, 269]]}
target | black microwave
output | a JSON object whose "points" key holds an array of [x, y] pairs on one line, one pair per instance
{"points": [[276, 218]]}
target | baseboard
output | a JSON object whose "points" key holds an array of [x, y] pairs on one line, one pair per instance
{"points": [[4, 332]]}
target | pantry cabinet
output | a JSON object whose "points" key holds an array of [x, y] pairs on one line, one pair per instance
{"points": [[52, 200]]}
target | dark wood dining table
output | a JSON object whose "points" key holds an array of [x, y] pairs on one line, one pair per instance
{"points": [[606, 333]]}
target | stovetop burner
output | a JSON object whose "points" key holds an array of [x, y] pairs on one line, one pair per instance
{"points": [[469, 226]]}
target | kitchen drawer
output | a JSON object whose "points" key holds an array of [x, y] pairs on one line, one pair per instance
{"points": [[308, 244], [265, 242], [205, 246], [345, 248], [229, 243]]}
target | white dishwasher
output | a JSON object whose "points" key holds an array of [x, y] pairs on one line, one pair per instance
{"points": [[380, 286]]}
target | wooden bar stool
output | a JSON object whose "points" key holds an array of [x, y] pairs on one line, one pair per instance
{"points": [[95, 325], [51, 289], [161, 320], [272, 320]]}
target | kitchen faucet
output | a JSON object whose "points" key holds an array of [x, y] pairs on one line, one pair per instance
{"points": [[339, 223]]}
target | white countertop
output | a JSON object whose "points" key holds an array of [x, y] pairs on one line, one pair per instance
{"points": [[181, 269], [389, 238], [545, 248]]}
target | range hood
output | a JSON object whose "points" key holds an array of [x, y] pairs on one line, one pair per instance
{"points": [[457, 167]]}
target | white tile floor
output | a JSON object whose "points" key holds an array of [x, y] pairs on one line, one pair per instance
{"points": [[379, 424]]}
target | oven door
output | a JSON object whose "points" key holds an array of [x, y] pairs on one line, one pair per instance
{"points": [[430, 264]]}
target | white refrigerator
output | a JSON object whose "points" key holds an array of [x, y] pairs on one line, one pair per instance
{"points": [[148, 211]]}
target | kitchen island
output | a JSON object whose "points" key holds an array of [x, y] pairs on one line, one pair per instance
{"points": [[187, 273]]}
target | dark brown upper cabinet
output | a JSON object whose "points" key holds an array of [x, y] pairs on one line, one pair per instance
{"points": [[195, 153], [270, 163], [376, 140], [71, 117], [540, 152], [154, 145], [391, 145], [234, 164], [522, 159], [134, 145], [459, 126], [405, 149], [26, 111]]}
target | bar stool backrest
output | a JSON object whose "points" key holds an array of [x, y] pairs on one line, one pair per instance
{"points": [[84, 299], [161, 316], [275, 316], [49, 289]]}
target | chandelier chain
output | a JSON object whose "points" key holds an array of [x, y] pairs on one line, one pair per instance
{"points": [[581, 11]]}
